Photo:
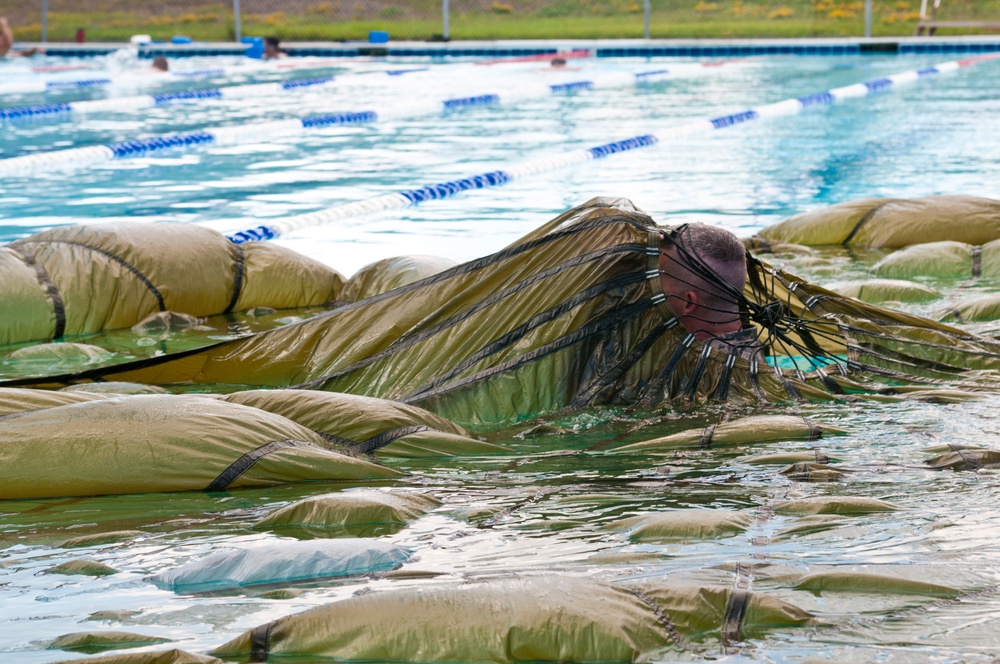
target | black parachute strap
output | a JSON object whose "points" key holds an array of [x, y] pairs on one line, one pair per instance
{"points": [[547, 316], [830, 383], [722, 390], [374, 443], [247, 461], [864, 220], [815, 429], [113, 256], [50, 288], [970, 462], [406, 342], [977, 262], [593, 328], [792, 390], [655, 387], [589, 393], [699, 368], [238, 276], [753, 370], [736, 609], [260, 642]]}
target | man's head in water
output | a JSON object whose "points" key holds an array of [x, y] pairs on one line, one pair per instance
{"points": [[160, 64], [272, 48], [702, 268]]}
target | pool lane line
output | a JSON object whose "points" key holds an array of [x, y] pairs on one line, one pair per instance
{"points": [[142, 102], [497, 178], [75, 158]]}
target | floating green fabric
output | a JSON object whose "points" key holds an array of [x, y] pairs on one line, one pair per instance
{"points": [[755, 429], [349, 508], [948, 259], [979, 308], [82, 567], [684, 525], [79, 279], [93, 642], [893, 222], [148, 443], [389, 273], [554, 618], [885, 290], [573, 315], [172, 656], [366, 425], [872, 583], [834, 505]]}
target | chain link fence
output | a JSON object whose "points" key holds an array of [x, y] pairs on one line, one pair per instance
{"points": [[351, 20]]}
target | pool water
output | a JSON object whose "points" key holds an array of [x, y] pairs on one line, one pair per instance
{"points": [[546, 508]]}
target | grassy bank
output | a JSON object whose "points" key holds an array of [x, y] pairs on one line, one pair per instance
{"points": [[501, 19]]}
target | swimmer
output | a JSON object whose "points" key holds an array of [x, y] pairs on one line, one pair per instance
{"points": [[160, 64], [7, 41], [272, 48], [560, 64], [703, 270]]}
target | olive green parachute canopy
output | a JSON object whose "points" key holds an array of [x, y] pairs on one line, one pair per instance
{"points": [[172, 656], [684, 525], [389, 273], [363, 509], [555, 618], [80, 279], [573, 315], [149, 443], [98, 641], [885, 290], [952, 259], [756, 429], [366, 425], [977, 308], [892, 222]]}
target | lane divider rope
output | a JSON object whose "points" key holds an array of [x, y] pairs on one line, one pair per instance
{"points": [[497, 178]]}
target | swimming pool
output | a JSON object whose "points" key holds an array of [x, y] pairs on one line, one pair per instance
{"points": [[552, 512]]}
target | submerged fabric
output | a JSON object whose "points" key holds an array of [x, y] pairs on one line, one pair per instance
{"points": [[573, 315]]}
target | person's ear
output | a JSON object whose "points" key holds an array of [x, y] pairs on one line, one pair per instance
{"points": [[689, 302]]}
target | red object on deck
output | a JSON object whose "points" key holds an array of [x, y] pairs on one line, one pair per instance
{"points": [[81, 35]]}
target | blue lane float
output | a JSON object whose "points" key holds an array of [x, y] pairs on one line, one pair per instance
{"points": [[497, 178], [75, 158]]}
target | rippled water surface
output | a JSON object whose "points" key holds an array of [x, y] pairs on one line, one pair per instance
{"points": [[547, 507]]}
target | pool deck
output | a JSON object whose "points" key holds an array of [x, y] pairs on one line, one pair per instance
{"points": [[601, 48]]}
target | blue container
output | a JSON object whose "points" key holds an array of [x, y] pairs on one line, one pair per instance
{"points": [[180, 39], [378, 37], [255, 47]]}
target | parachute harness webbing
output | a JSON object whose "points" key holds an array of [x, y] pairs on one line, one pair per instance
{"points": [[245, 462], [566, 341], [510, 338], [736, 609], [864, 220], [977, 262], [260, 642], [381, 440], [699, 368], [706, 437], [240, 267], [45, 281], [657, 385], [722, 391], [113, 256], [667, 624]]}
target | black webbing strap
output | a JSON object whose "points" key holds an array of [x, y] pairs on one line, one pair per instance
{"points": [[793, 391], [830, 383], [722, 390], [736, 609], [45, 281], [970, 462], [864, 220], [237, 277], [755, 380], [260, 642], [245, 462], [815, 430], [699, 369], [113, 256], [381, 440], [977, 262], [656, 386]]}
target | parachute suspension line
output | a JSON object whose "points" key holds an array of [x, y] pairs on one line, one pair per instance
{"points": [[531, 168], [654, 389], [699, 368], [722, 390]]}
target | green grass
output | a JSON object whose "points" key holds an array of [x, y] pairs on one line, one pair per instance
{"points": [[527, 19]]}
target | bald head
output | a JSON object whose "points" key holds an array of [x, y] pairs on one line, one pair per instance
{"points": [[702, 270]]}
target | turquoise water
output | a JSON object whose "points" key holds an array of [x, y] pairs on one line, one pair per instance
{"points": [[547, 507]]}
